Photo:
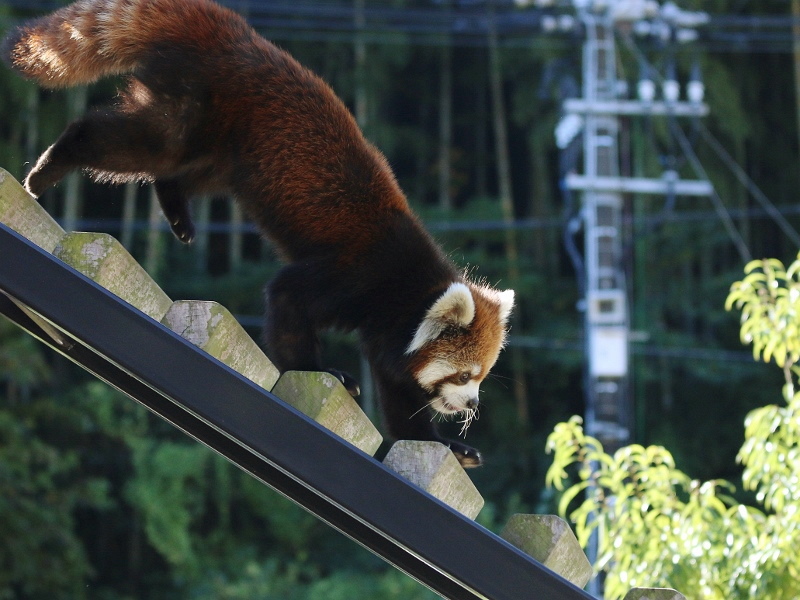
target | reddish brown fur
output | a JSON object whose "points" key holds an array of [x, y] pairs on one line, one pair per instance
{"points": [[91, 39], [481, 342], [211, 107]]}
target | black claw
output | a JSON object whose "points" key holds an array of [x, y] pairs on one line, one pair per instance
{"points": [[468, 456], [349, 383], [183, 231]]}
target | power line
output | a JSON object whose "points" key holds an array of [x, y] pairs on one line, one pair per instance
{"points": [[579, 346], [719, 205], [639, 349], [754, 190], [464, 22], [528, 224], [691, 155]]}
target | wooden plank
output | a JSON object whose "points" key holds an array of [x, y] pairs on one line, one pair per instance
{"points": [[434, 468], [104, 260], [324, 399], [549, 539], [210, 326], [22, 213]]}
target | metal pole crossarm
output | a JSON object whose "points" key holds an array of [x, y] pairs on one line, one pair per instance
{"points": [[639, 185], [635, 107], [265, 437]]}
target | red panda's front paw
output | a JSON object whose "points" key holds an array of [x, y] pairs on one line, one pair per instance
{"points": [[468, 456], [349, 383]]}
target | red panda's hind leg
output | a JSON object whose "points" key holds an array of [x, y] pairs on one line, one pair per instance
{"points": [[115, 147], [299, 304], [175, 205]]}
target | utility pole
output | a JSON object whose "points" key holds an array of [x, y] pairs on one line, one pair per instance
{"points": [[596, 116], [605, 305]]}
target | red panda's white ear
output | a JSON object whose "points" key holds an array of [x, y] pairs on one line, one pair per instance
{"points": [[454, 307], [506, 304]]}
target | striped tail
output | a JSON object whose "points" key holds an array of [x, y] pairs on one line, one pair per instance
{"points": [[91, 39]]}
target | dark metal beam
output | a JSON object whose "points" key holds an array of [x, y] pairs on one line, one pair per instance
{"points": [[346, 488]]}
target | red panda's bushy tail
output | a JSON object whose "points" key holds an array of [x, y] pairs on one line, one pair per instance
{"points": [[91, 39]]}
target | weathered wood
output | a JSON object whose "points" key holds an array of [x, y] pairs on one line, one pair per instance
{"points": [[323, 398], [549, 539], [104, 260], [22, 213], [210, 326], [654, 594], [434, 468]]}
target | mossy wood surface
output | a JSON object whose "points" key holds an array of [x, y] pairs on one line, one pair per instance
{"points": [[104, 260], [434, 468], [22, 213], [549, 539], [323, 398], [211, 326]]}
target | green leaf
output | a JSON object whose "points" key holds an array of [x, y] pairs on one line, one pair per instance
{"points": [[569, 495]]}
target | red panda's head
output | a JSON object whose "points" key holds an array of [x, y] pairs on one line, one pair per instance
{"points": [[457, 343]]}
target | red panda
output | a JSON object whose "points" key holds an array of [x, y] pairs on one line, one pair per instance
{"points": [[211, 107]]}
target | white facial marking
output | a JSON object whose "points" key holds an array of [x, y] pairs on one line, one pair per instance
{"points": [[455, 398], [434, 372], [454, 307], [506, 304]]}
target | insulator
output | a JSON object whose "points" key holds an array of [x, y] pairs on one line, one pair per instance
{"points": [[671, 90], [647, 90], [695, 91]]}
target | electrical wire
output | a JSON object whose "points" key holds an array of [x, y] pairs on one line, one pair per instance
{"points": [[465, 22], [747, 182], [686, 147], [639, 349], [443, 227], [719, 205], [768, 206]]}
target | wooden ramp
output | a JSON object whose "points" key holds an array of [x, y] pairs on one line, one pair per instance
{"points": [[300, 433]]}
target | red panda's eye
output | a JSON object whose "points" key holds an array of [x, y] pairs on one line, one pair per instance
{"points": [[464, 377]]}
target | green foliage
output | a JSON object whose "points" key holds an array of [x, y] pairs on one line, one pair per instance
{"points": [[656, 526], [21, 363], [266, 582], [41, 555], [769, 298], [168, 491], [41, 481]]}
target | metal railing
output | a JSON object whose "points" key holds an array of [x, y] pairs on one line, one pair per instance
{"points": [[330, 478]]}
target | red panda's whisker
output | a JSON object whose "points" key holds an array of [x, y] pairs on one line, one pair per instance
{"points": [[470, 415], [424, 406]]}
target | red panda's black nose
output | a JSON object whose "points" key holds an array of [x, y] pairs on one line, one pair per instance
{"points": [[472, 403]]}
